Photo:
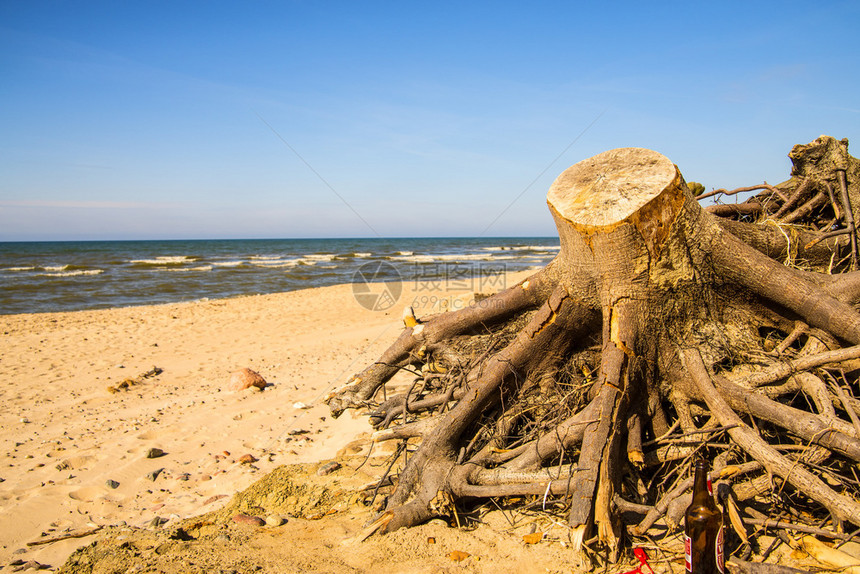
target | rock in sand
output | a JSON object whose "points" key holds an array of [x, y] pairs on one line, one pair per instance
{"points": [[249, 520], [245, 379], [154, 453], [275, 520], [328, 468]]}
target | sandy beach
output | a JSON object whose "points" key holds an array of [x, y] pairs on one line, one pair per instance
{"points": [[87, 396]]}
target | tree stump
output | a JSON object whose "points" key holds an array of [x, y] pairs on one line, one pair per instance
{"points": [[657, 320]]}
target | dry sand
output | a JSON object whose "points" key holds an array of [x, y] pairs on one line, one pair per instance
{"points": [[65, 435], [74, 443]]}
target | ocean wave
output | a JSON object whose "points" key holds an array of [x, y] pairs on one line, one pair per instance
{"points": [[276, 263], [74, 273], [190, 269], [320, 257], [29, 268], [238, 263], [353, 255], [523, 248], [265, 257], [454, 257], [407, 253], [165, 260]]}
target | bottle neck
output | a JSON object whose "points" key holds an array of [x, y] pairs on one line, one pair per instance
{"points": [[701, 484]]}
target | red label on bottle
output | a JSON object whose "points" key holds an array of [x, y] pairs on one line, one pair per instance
{"points": [[719, 550], [688, 553], [710, 488]]}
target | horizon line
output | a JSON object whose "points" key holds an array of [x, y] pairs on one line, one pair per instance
{"points": [[351, 238]]}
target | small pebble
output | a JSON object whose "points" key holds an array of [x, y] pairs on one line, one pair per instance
{"points": [[156, 522], [162, 548], [154, 453], [300, 405], [111, 483], [247, 459], [275, 520], [328, 468], [154, 474], [249, 520]]}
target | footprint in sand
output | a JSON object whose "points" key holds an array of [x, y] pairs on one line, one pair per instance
{"points": [[150, 435], [75, 462], [86, 494]]}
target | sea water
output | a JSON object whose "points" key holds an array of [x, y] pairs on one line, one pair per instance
{"points": [[74, 275]]}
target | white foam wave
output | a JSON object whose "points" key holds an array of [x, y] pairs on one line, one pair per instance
{"points": [[228, 263], [276, 263], [73, 273], [189, 269], [321, 257], [523, 248], [458, 257], [165, 260], [19, 269], [542, 247], [265, 257]]}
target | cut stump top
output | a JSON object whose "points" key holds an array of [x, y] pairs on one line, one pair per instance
{"points": [[609, 187]]}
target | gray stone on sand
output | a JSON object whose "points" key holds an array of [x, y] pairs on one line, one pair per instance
{"points": [[154, 453], [154, 474]]}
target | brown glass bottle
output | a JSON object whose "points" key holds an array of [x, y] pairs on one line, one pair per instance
{"points": [[703, 527]]}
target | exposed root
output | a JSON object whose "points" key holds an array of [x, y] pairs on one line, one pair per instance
{"points": [[663, 330]]}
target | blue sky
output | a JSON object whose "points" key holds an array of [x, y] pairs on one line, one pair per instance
{"points": [[349, 119]]}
